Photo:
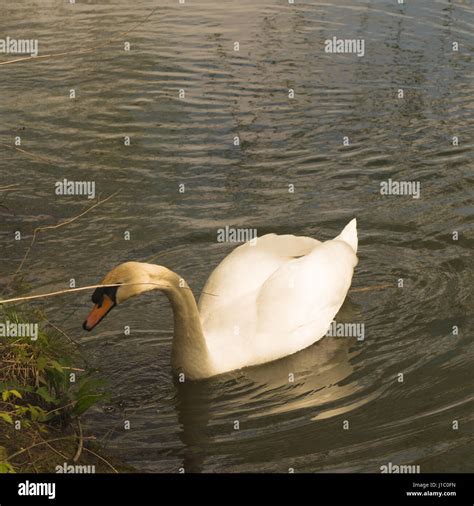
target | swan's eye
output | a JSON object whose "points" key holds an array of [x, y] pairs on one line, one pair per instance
{"points": [[111, 292], [98, 296]]}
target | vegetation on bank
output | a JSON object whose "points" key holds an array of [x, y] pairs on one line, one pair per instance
{"points": [[45, 388]]}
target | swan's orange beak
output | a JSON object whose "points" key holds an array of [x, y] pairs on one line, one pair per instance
{"points": [[98, 313]]}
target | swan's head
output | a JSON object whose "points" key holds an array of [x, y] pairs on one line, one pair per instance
{"points": [[131, 278]]}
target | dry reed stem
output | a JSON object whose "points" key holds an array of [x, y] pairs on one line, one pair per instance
{"points": [[37, 230], [374, 287], [23, 450], [82, 51], [103, 460], [77, 455], [54, 449], [31, 155], [82, 288], [90, 287], [61, 331], [9, 187]]}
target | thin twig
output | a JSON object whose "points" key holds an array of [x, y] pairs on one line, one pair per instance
{"points": [[374, 287], [82, 288], [10, 457], [33, 462], [31, 155], [72, 403], [55, 451], [70, 290], [9, 187], [81, 442], [61, 331], [103, 460], [82, 51], [58, 225]]}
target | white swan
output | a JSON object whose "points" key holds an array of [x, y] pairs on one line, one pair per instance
{"points": [[262, 302]]}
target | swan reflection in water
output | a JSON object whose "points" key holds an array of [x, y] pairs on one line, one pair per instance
{"points": [[309, 383]]}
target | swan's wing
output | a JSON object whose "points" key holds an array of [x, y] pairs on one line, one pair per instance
{"points": [[298, 302], [243, 273], [266, 319], [276, 297]]}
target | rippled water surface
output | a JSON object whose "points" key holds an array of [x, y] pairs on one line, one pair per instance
{"points": [[283, 141]]}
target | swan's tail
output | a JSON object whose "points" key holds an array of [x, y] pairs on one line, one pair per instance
{"points": [[349, 235]]}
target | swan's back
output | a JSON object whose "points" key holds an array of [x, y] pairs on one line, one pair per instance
{"points": [[273, 298]]}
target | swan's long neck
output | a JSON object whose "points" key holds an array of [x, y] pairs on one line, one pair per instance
{"points": [[189, 353]]}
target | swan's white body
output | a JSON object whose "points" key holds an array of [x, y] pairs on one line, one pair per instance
{"points": [[274, 298], [263, 301]]}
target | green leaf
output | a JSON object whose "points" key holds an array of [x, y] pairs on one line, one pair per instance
{"points": [[85, 402], [41, 363], [54, 364], [88, 385], [37, 413], [45, 394], [6, 417], [6, 468]]}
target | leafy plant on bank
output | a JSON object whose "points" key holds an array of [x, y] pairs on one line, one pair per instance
{"points": [[39, 384]]}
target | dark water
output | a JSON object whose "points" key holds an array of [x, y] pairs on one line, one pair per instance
{"points": [[284, 141]]}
